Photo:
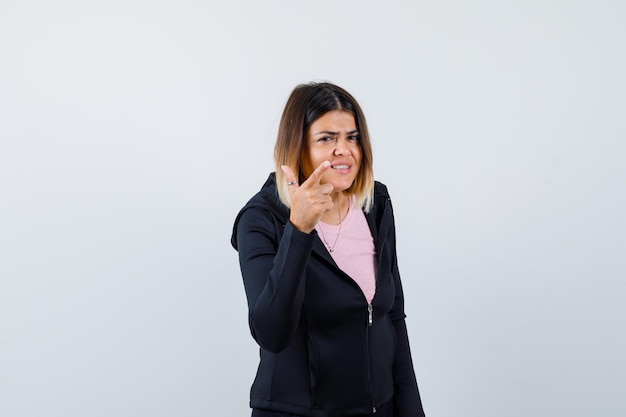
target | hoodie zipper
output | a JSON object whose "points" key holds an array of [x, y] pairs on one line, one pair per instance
{"points": [[370, 322]]}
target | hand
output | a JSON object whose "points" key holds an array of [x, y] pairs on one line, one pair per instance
{"points": [[309, 200]]}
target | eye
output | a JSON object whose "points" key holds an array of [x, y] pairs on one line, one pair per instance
{"points": [[355, 138], [326, 139]]}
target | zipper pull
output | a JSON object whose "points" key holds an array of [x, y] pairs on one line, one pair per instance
{"points": [[374, 410], [370, 319]]}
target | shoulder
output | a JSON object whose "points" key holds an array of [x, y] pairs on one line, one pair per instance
{"points": [[382, 207], [262, 212], [382, 197], [380, 189]]}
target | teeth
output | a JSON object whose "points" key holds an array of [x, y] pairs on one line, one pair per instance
{"points": [[340, 166]]}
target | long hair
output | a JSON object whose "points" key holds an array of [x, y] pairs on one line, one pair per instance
{"points": [[306, 104]]}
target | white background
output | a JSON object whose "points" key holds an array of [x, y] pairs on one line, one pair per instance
{"points": [[132, 132]]}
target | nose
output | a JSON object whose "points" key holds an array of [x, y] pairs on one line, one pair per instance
{"points": [[342, 147]]}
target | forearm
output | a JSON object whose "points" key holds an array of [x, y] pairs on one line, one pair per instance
{"points": [[274, 277], [406, 393], [407, 400]]}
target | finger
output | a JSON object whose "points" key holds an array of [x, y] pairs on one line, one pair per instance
{"points": [[316, 176], [291, 178], [326, 189]]}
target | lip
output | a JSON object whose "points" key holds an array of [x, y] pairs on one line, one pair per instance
{"points": [[346, 167], [345, 164]]}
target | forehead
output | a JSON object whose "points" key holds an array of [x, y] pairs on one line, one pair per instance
{"points": [[335, 118]]}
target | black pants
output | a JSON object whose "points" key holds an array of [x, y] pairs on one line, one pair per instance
{"points": [[385, 410]]}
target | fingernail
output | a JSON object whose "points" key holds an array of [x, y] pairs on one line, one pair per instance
{"points": [[326, 164]]}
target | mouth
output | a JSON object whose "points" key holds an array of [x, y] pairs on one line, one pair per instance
{"points": [[340, 166]]}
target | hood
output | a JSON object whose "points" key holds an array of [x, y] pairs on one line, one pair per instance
{"points": [[266, 199]]}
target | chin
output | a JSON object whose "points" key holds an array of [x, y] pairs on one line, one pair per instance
{"points": [[342, 187]]}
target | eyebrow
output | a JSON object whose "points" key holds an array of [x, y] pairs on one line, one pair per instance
{"points": [[332, 133]]}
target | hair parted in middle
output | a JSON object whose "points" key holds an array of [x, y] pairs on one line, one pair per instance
{"points": [[306, 104]]}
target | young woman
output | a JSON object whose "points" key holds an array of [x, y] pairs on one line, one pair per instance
{"points": [[317, 251]]}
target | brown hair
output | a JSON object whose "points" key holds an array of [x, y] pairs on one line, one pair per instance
{"points": [[306, 104]]}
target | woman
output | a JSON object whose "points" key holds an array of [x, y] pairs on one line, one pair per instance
{"points": [[318, 258]]}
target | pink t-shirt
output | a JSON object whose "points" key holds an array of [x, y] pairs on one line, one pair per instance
{"points": [[353, 251]]}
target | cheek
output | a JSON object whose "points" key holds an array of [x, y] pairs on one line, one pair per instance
{"points": [[357, 154], [314, 159]]}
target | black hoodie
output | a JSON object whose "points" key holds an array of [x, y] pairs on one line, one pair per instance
{"points": [[325, 352]]}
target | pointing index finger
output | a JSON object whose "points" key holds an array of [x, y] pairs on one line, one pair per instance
{"points": [[316, 176]]}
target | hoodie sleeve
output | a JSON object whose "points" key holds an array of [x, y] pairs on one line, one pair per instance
{"points": [[273, 268], [407, 400]]}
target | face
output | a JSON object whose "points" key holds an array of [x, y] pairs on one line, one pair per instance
{"points": [[334, 137]]}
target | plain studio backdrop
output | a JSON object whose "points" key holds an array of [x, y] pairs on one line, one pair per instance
{"points": [[131, 133]]}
